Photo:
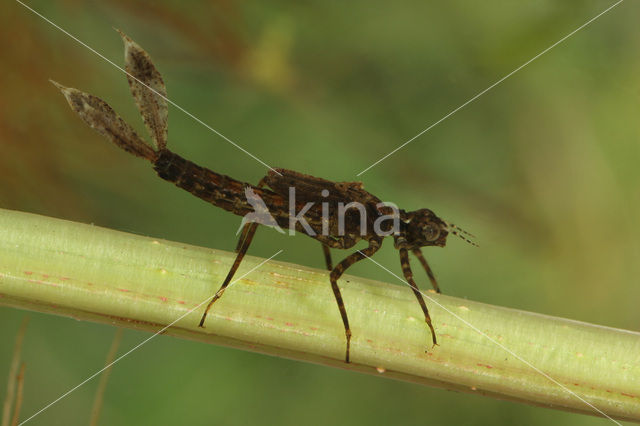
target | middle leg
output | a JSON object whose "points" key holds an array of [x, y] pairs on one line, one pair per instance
{"points": [[337, 272]]}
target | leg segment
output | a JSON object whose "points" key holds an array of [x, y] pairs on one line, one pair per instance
{"points": [[246, 227], [418, 253], [246, 236], [408, 274], [327, 257], [337, 272], [242, 250], [243, 236]]}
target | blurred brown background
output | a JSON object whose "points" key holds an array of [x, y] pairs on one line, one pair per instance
{"points": [[543, 169]]}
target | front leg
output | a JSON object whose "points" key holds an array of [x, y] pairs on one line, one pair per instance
{"points": [[337, 272], [418, 253], [408, 274]]}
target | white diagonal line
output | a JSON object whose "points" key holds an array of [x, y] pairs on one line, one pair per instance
{"points": [[143, 342], [493, 85], [150, 88], [467, 323]]}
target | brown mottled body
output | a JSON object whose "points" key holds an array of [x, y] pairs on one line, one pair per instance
{"points": [[215, 188], [228, 194], [330, 200]]}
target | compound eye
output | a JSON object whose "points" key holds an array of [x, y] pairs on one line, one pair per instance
{"points": [[431, 232]]}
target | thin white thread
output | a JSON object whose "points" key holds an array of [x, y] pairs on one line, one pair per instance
{"points": [[150, 88], [142, 343], [374, 164], [467, 323], [492, 86]]}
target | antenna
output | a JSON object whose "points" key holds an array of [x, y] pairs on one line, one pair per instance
{"points": [[461, 233]]}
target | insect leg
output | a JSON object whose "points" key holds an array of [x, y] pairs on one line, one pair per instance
{"points": [[418, 253], [337, 272], [243, 236], [408, 274], [248, 231], [241, 252], [327, 257], [246, 227]]}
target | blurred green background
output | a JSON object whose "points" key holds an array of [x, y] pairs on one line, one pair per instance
{"points": [[544, 169]]}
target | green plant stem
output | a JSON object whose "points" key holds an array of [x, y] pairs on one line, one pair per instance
{"points": [[96, 274]]}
